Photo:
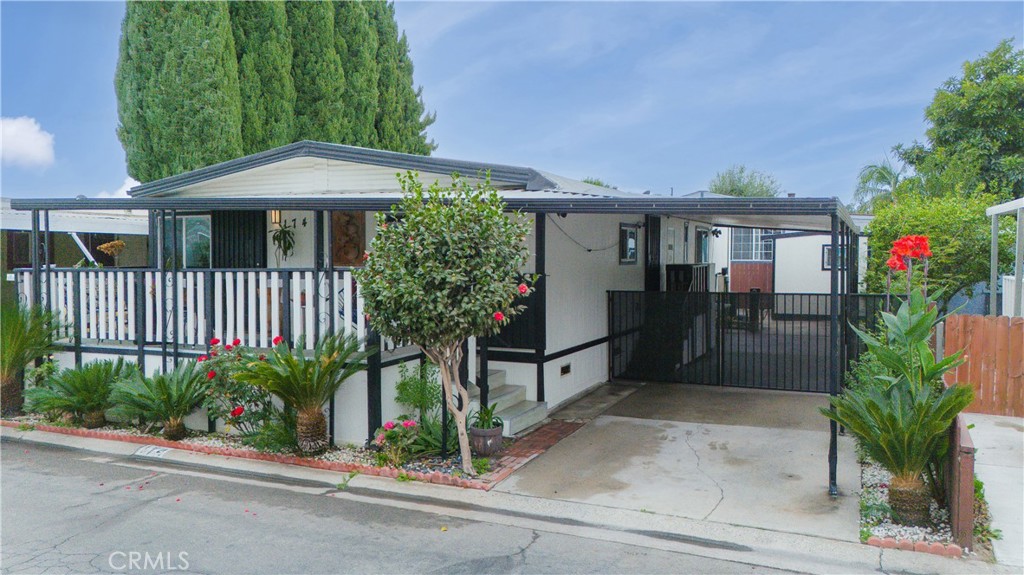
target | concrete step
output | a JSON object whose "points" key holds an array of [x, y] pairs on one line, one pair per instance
{"points": [[523, 415], [495, 378], [503, 395]]}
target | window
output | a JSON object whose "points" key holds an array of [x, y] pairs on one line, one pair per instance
{"points": [[826, 257], [752, 245], [19, 254], [702, 247], [627, 244], [192, 237]]}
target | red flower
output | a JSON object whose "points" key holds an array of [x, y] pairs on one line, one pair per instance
{"points": [[237, 342], [213, 353], [523, 289], [912, 247], [229, 347], [896, 263], [366, 256], [263, 357], [278, 339], [498, 316], [237, 411], [202, 358], [211, 374], [214, 341]]}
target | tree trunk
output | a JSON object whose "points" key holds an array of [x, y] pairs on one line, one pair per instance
{"points": [[11, 398], [909, 500], [311, 431], [174, 429], [448, 364], [94, 419]]}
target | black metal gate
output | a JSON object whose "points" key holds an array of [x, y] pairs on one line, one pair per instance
{"points": [[759, 340]]}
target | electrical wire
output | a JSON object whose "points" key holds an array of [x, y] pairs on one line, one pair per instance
{"points": [[577, 242]]}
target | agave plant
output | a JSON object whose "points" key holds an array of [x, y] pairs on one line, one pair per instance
{"points": [[305, 384], [167, 397], [26, 333], [84, 393], [903, 428]]}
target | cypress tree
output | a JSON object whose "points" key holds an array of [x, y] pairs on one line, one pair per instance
{"points": [[177, 86], [264, 52], [389, 107], [356, 44], [415, 120], [317, 73]]}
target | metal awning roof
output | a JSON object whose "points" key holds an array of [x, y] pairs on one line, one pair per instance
{"points": [[811, 214]]}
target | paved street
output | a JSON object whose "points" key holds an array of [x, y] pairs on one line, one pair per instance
{"points": [[68, 511]]}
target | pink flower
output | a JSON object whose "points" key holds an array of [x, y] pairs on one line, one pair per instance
{"points": [[202, 358], [389, 425], [211, 374], [498, 316], [237, 342], [214, 341], [523, 289], [408, 423], [380, 439], [237, 411], [278, 339]]}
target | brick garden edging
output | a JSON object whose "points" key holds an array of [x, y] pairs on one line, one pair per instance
{"points": [[518, 454], [951, 550], [434, 477]]}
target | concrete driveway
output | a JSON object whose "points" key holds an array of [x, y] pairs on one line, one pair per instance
{"points": [[739, 456]]}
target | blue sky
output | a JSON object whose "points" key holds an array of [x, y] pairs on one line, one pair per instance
{"points": [[653, 95]]}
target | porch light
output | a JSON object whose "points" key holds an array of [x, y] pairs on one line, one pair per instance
{"points": [[275, 217]]}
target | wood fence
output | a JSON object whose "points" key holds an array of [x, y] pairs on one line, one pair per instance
{"points": [[994, 361]]}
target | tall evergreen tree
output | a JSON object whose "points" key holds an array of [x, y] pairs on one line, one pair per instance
{"points": [[389, 103], [264, 50], [317, 73], [415, 120], [177, 86], [356, 44]]}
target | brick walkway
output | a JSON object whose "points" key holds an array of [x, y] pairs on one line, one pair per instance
{"points": [[524, 450]]}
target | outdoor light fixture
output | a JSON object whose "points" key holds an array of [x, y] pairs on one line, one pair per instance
{"points": [[275, 217]]}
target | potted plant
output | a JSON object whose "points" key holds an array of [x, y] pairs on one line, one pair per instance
{"points": [[485, 433]]}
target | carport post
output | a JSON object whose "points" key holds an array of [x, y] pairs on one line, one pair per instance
{"points": [[834, 358]]}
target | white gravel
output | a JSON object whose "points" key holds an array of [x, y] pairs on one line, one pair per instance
{"points": [[875, 491]]}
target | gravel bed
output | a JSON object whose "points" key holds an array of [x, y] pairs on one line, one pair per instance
{"points": [[876, 518]]}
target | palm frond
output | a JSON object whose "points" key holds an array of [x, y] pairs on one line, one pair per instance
{"points": [[26, 333], [162, 397], [79, 391]]}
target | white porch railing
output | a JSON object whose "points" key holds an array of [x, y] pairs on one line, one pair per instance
{"points": [[188, 307]]}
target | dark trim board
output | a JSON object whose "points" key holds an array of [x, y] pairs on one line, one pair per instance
{"points": [[530, 357]]}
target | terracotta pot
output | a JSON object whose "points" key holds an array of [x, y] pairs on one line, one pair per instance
{"points": [[485, 442]]}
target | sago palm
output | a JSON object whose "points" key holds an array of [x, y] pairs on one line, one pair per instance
{"points": [[305, 384], [83, 393], [165, 397], [902, 427], [26, 333]]}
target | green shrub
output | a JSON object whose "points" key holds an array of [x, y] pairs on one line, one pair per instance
{"points": [[428, 440], [84, 393], [26, 333], [167, 397], [276, 435], [418, 388]]}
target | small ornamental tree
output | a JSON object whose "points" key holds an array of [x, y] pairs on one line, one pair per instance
{"points": [[445, 265]]}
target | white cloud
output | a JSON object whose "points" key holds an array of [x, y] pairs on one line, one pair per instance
{"points": [[25, 143], [121, 192]]}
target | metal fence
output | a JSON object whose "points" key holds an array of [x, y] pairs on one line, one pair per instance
{"points": [[758, 340]]}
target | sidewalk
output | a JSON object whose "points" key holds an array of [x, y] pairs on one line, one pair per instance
{"points": [[999, 463], [759, 547]]}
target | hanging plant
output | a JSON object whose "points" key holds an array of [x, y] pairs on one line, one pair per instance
{"points": [[284, 241]]}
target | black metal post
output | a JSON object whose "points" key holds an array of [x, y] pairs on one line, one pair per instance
{"points": [[36, 279], [834, 358], [208, 279], [286, 307], [76, 309], [331, 316], [46, 257], [373, 391], [318, 266], [540, 299], [161, 263], [140, 321], [482, 379], [174, 282]]}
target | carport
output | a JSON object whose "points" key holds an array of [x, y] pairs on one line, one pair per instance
{"points": [[731, 455]]}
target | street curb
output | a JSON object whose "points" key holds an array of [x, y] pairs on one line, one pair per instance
{"points": [[436, 477]]}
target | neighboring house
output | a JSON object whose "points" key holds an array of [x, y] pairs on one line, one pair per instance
{"points": [[225, 276], [74, 238], [802, 260], [1013, 285]]}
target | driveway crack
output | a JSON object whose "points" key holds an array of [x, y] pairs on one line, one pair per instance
{"points": [[721, 492]]}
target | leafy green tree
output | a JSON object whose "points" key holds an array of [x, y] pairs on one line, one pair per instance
{"points": [[177, 84], [877, 184], [317, 73], [356, 44], [264, 51], [738, 181], [443, 267], [598, 182], [976, 134], [959, 231]]}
